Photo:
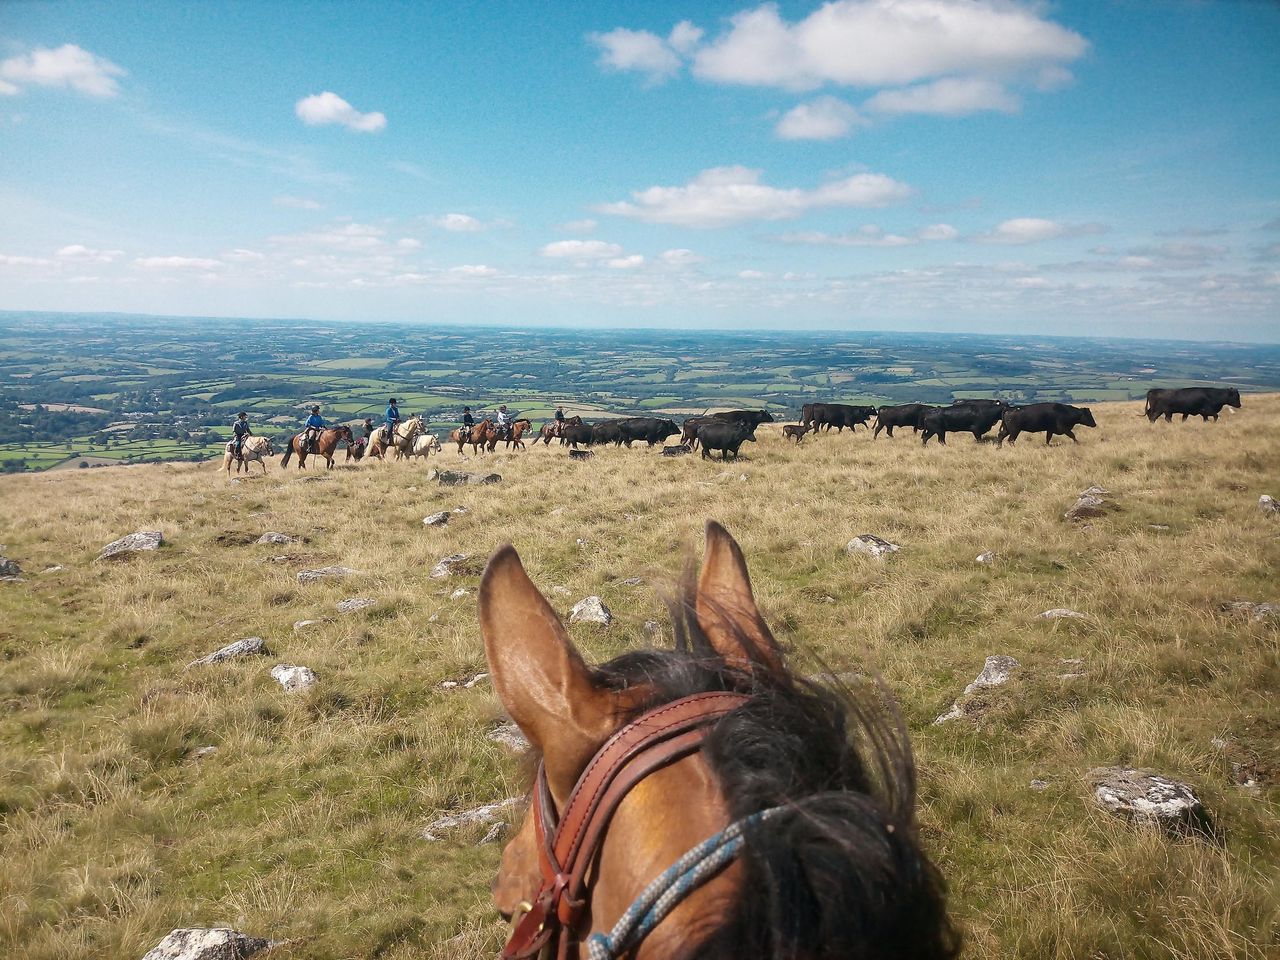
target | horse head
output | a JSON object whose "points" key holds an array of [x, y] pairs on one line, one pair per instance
{"points": [[836, 873]]}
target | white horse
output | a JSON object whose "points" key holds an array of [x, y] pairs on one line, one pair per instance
{"points": [[255, 448], [422, 446], [406, 432]]}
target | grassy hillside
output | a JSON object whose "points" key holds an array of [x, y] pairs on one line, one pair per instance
{"points": [[306, 822]]}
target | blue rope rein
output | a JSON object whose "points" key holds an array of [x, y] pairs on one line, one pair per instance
{"points": [[672, 887]]}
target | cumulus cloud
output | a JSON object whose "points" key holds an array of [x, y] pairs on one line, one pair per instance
{"points": [[68, 66], [19, 260], [873, 43], [79, 253], [177, 263], [939, 231], [459, 223], [241, 255], [681, 257], [724, 196], [581, 250], [296, 203], [950, 96], [325, 108], [625, 263], [825, 118], [474, 270], [645, 52], [341, 236], [1022, 230], [409, 243], [580, 226]]}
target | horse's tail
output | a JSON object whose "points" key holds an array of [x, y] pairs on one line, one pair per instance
{"points": [[288, 452]]}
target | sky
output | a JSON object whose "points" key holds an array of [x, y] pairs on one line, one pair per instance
{"points": [[1103, 167]]}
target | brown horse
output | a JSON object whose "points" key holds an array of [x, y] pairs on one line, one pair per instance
{"points": [[799, 795], [482, 434], [551, 430], [326, 444], [518, 427]]}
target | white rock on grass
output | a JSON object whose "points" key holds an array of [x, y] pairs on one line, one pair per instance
{"points": [[1061, 613], [353, 604], [996, 671], [293, 678], [277, 538], [987, 557], [560, 591], [478, 678], [460, 593], [195, 944], [325, 573], [489, 813], [1257, 612], [872, 546], [510, 736], [300, 625], [1268, 504], [445, 568], [126, 547], [590, 610], [203, 752], [241, 648], [1145, 796], [436, 519]]}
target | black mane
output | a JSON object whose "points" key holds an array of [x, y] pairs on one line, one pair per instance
{"points": [[839, 875]]}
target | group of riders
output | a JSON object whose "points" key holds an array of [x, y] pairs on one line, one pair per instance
{"points": [[315, 424]]}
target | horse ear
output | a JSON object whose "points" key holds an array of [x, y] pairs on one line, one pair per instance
{"points": [[538, 673], [726, 608]]}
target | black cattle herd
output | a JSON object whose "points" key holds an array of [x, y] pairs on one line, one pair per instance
{"points": [[726, 432]]}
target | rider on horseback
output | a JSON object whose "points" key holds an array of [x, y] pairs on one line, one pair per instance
{"points": [[559, 421], [311, 434], [503, 422], [468, 423], [393, 420], [240, 433]]}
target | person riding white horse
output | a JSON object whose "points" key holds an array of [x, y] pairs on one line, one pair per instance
{"points": [[240, 432]]}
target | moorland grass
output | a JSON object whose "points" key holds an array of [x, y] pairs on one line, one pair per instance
{"points": [[306, 822]]}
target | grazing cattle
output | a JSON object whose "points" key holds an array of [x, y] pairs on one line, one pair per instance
{"points": [[751, 418], [689, 431], [649, 429], [975, 418], [1203, 402], [606, 431], [1050, 418], [724, 437], [901, 415], [795, 431], [579, 433], [838, 415]]}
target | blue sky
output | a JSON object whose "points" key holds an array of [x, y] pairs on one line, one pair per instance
{"points": [[1072, 168]]}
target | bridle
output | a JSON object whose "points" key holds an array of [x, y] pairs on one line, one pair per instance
{"points": [[568, 844]]}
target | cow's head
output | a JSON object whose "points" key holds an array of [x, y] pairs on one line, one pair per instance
{"points": [[765, 417], [1084, 417], [1233, 398]]}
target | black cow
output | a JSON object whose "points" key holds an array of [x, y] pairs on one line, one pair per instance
{"points": [[752, 418], [1204, 402], [838, 415], [579, 433], [901, 415], [607, 431], [1050, 418], [975, 418], [724, 437], [649, 429]]}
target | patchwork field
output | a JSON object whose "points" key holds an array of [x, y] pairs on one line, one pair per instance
{"points": [[116, 825]]}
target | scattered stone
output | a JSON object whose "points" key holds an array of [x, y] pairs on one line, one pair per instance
{"points": [[826, 598], [195, 944], [1257, 612], [496, 831], [448, 684], [871, 546], [1268, 504], [445, 567], [590, 610], [9, 568], [325, 573], [478, 678], [454, 478], [653, 629], [510, 736], [489, 813], [126, 547], [556, 512], [460, 593], [1038, 785], [293, 678], [1096, 491], [278, 538], [300, 625], [352, 604], [632, 582], [461, 509], [580, 454], [1159, 527], [1147, 797], [1061, 613], [1086, 508], [987, 557], [203, 752], [583, 543], [241, 648], [996, 671], [436, 519], [54, 569], [676, 451], [1075, 669], [560, 591]]}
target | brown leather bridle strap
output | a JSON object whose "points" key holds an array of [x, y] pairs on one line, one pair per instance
{"points": [[568, 844]]}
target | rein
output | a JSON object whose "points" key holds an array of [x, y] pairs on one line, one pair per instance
{"points": [[568, 843]]}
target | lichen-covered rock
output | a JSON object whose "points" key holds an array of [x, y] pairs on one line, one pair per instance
{"points": [[460, 593], [9, 568], [241, 648], [352, 604], [436, 519], [489, 813], [293, 678], [1257, 612], [197, 944], [590, 610], [272, 536], [301, 625], [987, 557], [1061, 613], [1145, 796], [872, 546], [455, 478], [447, 566], [1268, 504], [996, 671], [510, 736], [125, 547], [325, 573]]}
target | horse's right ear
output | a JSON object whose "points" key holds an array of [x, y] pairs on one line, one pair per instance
{"points": [[726, 608], [538, 673]]}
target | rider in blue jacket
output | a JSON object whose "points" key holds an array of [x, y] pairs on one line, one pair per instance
{"points": [[311, 429], [393, 418]]}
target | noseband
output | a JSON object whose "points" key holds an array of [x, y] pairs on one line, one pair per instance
{"points": [[568, 845]]}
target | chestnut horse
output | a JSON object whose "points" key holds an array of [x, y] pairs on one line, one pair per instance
{"points": [[656, 757], [326, 444], [482, 434], [518, 427], [553, 430]]}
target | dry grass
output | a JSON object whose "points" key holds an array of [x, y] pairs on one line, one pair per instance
{"points": [[306, 822]]}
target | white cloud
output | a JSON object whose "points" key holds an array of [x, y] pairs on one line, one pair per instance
{"points": [[67, 66], [325, 108], [581, 250], [580, 226], [750, 275], [296, 203], [79, 253], [871, 235], [684, 37], [1021, 230], [939, 231], [241, 255], [825, 118], [341, 236], [626, 263], [641, 51], [409, 243], [459, 223], [17, 260], [724, 196], [177, 263], [950, 96], [871, 43], [474, 270], [681, 257]]}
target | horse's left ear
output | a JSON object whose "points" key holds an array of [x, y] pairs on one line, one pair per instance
{"points": [[726, 608]]}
